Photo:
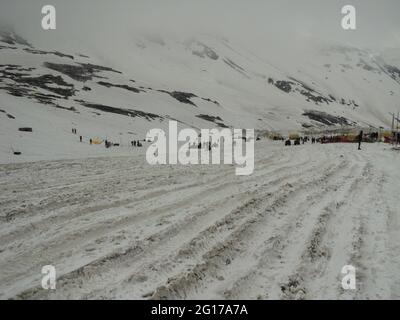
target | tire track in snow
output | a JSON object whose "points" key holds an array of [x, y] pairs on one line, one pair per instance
{"points": [[165, 198], [214, 246], [278, 168], [307, 280], [222, 255], [285, 238]]}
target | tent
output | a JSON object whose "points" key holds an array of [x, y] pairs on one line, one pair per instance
{"points": [[97, 141]]}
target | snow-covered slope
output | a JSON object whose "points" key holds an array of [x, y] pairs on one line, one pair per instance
{"points": [[201, 82]]}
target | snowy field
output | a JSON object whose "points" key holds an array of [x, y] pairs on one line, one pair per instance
{"points": [[115, 227]]}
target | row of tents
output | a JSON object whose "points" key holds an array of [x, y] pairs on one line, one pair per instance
{"points": [[386, 136]]}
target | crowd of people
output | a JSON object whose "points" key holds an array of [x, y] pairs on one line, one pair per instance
{"points": [[136, 143], [107, 143], [372, 137]]}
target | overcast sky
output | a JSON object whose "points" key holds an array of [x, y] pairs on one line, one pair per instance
{"points": [[252, 21]]}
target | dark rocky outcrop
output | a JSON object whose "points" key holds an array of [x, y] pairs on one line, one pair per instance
{"points": [[7, 47], [122, 86], [48, 79], [214, 119], [25, 85], [235, 67], [366, 66], [295, 85], [126, 112], [9, 37], [326, 118], [393, 71], [79, 72], [56, 53], [203, 51], [183, 97], [316, 98], [285, 86], [43, 81], [212, 101], [25, 129]]}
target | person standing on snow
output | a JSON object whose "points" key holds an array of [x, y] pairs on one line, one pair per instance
{"points": [[360, 136]]}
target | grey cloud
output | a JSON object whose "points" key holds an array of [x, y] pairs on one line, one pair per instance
{"points": [[254, 22]]}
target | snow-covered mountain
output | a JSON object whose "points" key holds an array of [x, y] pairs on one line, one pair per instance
{"points": [[201, 82]]}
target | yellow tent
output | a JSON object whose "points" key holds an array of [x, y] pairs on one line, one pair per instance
{"points": [[352, 137], [97, 141], [275, 136], [386, 134], [294, 136]]}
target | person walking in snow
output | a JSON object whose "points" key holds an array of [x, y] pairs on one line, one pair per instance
{"points": [[80, 138], [360, 137]]}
